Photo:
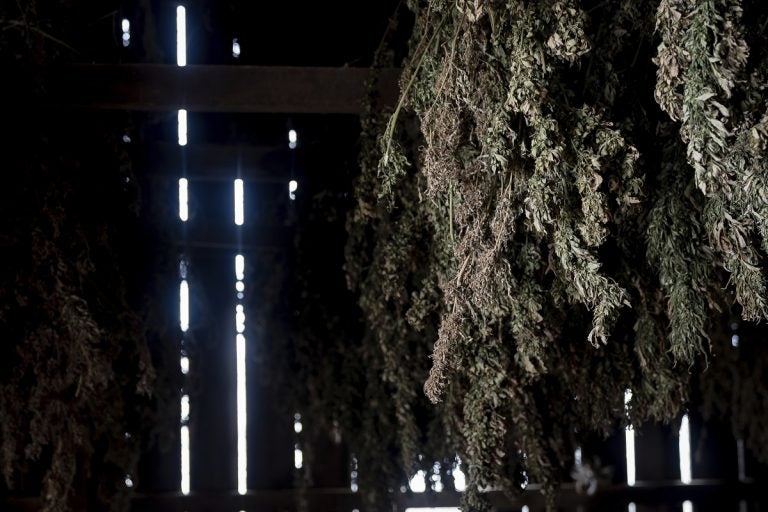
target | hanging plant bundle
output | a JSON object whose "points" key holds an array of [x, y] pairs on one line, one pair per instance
{"points": [[567, 202], [88, 361]]}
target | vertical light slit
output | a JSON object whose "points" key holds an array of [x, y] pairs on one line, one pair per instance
{"points": [[631, 507], [239, 267], [298, 457], [183, 199], [459, 478], [125, 25], [181, 35], [239, 207], [353, 475], [687, 506], [239, 319], [242, 413], [242, 418], [184, 305], [629, 440], [685, 450], [297, 425], [184, 444], [437, 479], [184, 408], [182, 117], [184, 459], [418, 482]]}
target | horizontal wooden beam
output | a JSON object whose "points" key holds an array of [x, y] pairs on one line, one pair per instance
{"points": [[722, 495], [257, 89]]}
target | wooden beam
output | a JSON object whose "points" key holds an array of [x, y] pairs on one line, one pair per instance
{"points": [[724, 495], [721, 495], [256, 89]]}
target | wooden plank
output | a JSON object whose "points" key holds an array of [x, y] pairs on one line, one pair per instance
{"points": [[212, 373], [614, 497], [606, 498], [257, 89]]}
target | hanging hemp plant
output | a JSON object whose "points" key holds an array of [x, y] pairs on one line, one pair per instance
{"points": [[88, 359], [567, 201]]}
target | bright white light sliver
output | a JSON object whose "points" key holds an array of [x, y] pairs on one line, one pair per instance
{"points": [[125, 25], [239, 267], [240, 321], [687, 506], [235, 48], [629, 438], [432, 509], [293, 186], [292, 136], [240, 286], [459, 479], [185, 408], [184, 363], [184, 306], [182, 115], [239, 206], [629, 441], [183, 199], [418, 482], [184, 460], [298, 460], [685, 450], [525, 509], [181, 35], [631, 507], [242, 417]]}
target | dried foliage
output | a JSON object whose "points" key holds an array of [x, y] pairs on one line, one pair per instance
{"points": [[76, 312], [78, 290], [567, 201]]}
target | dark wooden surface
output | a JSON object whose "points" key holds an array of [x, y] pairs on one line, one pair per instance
{"points": [[223, 88], [706, 495]]}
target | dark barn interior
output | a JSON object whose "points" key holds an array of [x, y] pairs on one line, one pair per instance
{"points": [[177, 235]]}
